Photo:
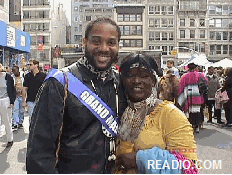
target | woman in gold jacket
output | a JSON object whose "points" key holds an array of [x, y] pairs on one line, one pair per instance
{"points": [[148, 122]]}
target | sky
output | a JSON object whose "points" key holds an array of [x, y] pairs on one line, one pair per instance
{"points": [[67, 7]]}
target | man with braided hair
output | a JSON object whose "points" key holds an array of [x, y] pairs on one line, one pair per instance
{"points": [[84, 146]]}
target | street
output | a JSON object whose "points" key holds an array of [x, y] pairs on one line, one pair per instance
{"points": [[213, 142]]}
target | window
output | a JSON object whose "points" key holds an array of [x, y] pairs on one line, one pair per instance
{"points": [[126, 43], [139, 43], [170, 22], [164, 22], [75, 29], [225, 35], [211, 23], [202, 47], [230, 37], [151, 36], [225, 10], [40, 27], [32, 2], [120, 18], [182, 22], [230, 49], [126, 17], [132, 18], [163, 10], [26, 14], [133, 30], [32, 27], [139, 30], [202, 33], [212, 35], [121, 29], [212, 49], [126, 30], [77, 38], [157, 22], [151, 47], [132, 43], [165, 50], [192, 22], [218, 35], [46, 26], [225, 49], [171, 36], [46, 39], [151, 22], [157, 10], [139, 17], [151, 10], [182, 33], [192, 33], [164, 36], [46, 14], [212, 10], [88, 18], [76, 18], [26, 27], [170, 49], [218, 22], [157, 36], [202, 22], [218, 51], [170, 10], [33, 40], [218, 10], [32, 14], [25, 2], [225, 23]]}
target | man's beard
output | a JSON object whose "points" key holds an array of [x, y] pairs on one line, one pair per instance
{"points": [[90, 58]]}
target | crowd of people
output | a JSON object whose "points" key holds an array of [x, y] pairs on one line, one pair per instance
{"points": [[95, 116], [18, 92]]}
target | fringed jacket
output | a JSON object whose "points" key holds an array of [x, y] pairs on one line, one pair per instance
{"points": [[189, 94]]}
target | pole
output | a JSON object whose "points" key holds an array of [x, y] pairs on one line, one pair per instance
{"points": [[3, 57]]}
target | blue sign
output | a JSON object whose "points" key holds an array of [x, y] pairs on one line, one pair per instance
{"points": [[14, 38]]}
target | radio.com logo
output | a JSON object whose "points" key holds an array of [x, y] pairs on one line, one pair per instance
{"points": [[186, 164]]}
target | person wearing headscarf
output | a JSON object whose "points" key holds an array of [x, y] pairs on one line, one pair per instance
{"points": [[228, 106], [149, 122]]}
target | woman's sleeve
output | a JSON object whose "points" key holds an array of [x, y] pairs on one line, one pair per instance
{"points": [[178, 132]]}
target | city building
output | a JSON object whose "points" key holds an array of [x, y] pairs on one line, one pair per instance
{"points": [[4, 11], [90, 14], [15, 13], [130, 16], [219, 29], [161, 28], [191, 28], [46, 24], [77, 16], [14, 43]]}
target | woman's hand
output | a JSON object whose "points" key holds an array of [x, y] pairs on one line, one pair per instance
{"points": [[128, 160]]}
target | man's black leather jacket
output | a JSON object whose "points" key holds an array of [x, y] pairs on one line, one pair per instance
{"points": [[84, 148]]}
